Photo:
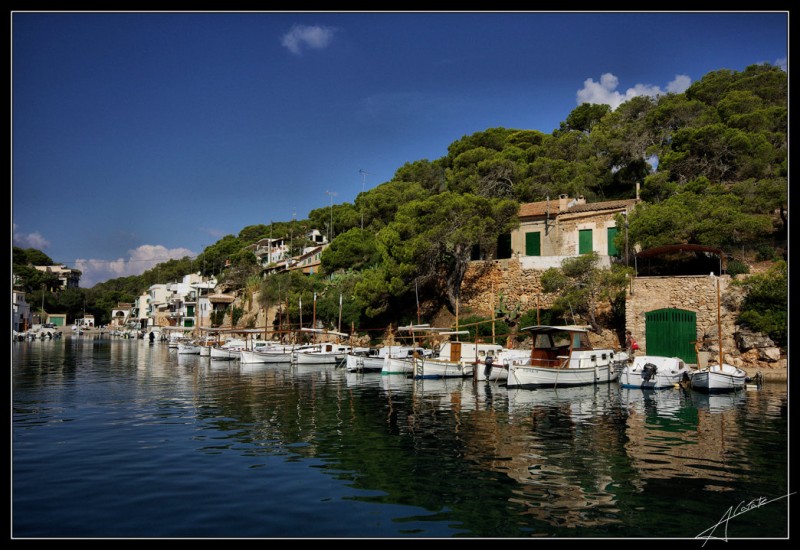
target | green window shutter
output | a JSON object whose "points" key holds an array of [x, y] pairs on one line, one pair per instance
{"points": [[584, 241], [612, 234], [533, 243]]}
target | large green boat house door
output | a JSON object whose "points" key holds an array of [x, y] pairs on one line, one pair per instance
{"points": [[672, 333]]}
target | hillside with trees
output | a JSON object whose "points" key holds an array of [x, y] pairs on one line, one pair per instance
{"points": [[711, 164]]}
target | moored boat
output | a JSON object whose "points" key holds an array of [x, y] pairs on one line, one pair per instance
{"points": [[188, 348], [326, 353], [717, 379], [229, 351], [654, 372], [374, 359], [563, 356]]}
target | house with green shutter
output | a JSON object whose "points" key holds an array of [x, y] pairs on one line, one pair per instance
{"points": [[552, 230]]}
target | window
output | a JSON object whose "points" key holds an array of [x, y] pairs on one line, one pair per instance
{"points": [[584, 241], [533, 243], [612, 234]]}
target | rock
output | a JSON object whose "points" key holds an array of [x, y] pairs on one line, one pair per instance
{"points": [[771, 354], [748, 339]]}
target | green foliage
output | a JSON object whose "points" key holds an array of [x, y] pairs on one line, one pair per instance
{"points": [[354, 249], [544, 317], [236, 314], [766, 305], [582, 286], [30, 256], [480, 329], [735, 267]]}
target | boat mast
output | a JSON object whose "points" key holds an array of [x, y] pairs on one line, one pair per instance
{"points": [[719, 324]]}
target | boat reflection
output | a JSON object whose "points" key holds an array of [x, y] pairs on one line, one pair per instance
{"points": [[665, 402]]}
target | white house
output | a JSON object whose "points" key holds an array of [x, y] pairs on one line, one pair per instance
{"points": [[120, 315], [20, 311], [551, 231], [69, 278]]}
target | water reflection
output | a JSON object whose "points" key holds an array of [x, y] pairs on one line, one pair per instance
{"points": [[431, 456]]}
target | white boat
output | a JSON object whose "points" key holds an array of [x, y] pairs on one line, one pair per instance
{"points": [[373, 359], [327, 353], [397, 365], [364, 360], [713, 379], [563, 356], [497, 369], [457, 360], [188, 348], [229, 351], [267, 354], [654, 372], [429, 367]]}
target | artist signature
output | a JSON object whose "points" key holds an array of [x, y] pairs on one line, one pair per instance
{"points": [[731, 513]]}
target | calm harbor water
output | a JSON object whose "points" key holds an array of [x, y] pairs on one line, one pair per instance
{"points": [[117, 438]]}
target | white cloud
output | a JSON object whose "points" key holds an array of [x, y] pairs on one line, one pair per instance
{"points": [[29, 240], [302, 36], [139, 260], [605, 91], [781, 63], [679, 85]]}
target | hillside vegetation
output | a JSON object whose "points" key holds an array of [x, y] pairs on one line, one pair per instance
{"points": [[711, 163]]}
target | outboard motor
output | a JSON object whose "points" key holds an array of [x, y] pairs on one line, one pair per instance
{"points": [[487, 370], [648, 371]]}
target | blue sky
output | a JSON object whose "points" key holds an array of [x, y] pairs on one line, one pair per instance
{"points": [[143, 136]]}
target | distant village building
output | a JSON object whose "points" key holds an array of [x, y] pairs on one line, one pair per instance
{"points": [[120, 315], [87, 321], [139, 316], [57, 319], [69, 278]]}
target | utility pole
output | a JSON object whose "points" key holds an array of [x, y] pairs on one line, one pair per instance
{"points": [[363, 181], [330, 228]]}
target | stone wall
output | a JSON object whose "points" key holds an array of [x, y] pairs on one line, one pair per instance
{"points": [[484, 282], [696, 293]]}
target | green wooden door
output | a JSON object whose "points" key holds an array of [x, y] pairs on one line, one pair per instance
{"points": [[584, 241], [672, 333], [533, 243]]}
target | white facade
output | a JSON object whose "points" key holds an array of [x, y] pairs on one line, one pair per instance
{"points": [[69, 278], [20, 311]]}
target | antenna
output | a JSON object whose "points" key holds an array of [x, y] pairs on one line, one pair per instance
{"points": [[364, 175]]}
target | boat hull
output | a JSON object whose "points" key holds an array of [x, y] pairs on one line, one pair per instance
{"points": [[188, 349], [432, 368], [497, 373], [225, 354], [531, 376], [654, 372], [396, 365], [317, 358], [358, 363], [715, 380]]}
